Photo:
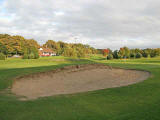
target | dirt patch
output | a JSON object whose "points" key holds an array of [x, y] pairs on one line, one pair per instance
{"points": [[75, 79]]}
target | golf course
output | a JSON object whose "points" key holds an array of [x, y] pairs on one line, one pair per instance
{"points": [[138, 101], [79, 60]]}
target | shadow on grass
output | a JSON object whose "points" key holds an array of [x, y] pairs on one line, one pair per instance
{"points": [[7, 75]]}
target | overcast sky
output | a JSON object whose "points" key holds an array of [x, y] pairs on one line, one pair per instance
{"points": [[99, 23]]}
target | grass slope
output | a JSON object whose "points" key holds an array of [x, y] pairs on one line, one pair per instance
{"points": [[135, 102]]}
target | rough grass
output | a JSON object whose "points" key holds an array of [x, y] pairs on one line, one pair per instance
{"points": [[135, 102]]}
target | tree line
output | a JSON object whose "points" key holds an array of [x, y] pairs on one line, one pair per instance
{"points": [[28, 48], [70, 49], [125, 52], [18, 45]]}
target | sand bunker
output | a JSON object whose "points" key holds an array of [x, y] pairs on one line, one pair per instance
{"points": [[75, 79]]}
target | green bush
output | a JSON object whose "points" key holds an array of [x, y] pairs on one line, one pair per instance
{"points": [[36, 55], [132, 55], [146, 55], [81, 53], [25, 56], [31, 56], [138, 55], [30, 53], [110, 57], [2, 56], [116, 54]]}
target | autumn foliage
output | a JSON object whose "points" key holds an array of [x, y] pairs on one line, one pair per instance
{"points": [[2, 56], [16, 45], [28, 48], [105, 52]]}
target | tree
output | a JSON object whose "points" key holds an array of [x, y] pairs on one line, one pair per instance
{"points": [[3, 49], [138, 55], [116, 55], [2, 56], [11, 45], [127, 52], [121, 52], [69, 52], [80, 53], [147, 52], [137, 50], [62, 44], [53, 45], [106, 52], [32, 43], [132, 53], [31, 53], [157, 51], [110, 57]]}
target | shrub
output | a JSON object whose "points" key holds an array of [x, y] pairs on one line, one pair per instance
{"points": [[153, 54], [138, 55], [146, 55], [110, 57], [31, 56], [30, 53], [36, 55], [25, 56], [116, 55], [2, 56], [81, 53], [132, 55]]}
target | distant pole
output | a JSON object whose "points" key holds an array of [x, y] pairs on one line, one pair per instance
{"points": [[75, 40], [82, 41], [124, 44]]}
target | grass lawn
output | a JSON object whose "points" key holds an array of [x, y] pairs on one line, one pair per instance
{"points": [[140, 101]]}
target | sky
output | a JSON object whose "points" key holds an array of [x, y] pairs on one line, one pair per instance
{"points": [[99, 23]]}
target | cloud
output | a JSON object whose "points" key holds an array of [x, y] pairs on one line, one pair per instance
{"points": [[102, 23]]}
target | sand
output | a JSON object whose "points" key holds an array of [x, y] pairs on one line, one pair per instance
{"points": [[75, 79]]}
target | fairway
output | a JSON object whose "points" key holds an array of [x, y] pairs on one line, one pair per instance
{"points": [[133, 102], [79, 60]]}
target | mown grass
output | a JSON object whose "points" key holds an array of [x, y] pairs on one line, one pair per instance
{"points": [[135, 102]]}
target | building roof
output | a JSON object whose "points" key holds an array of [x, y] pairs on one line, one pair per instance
{"points": [[48, 50]]}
